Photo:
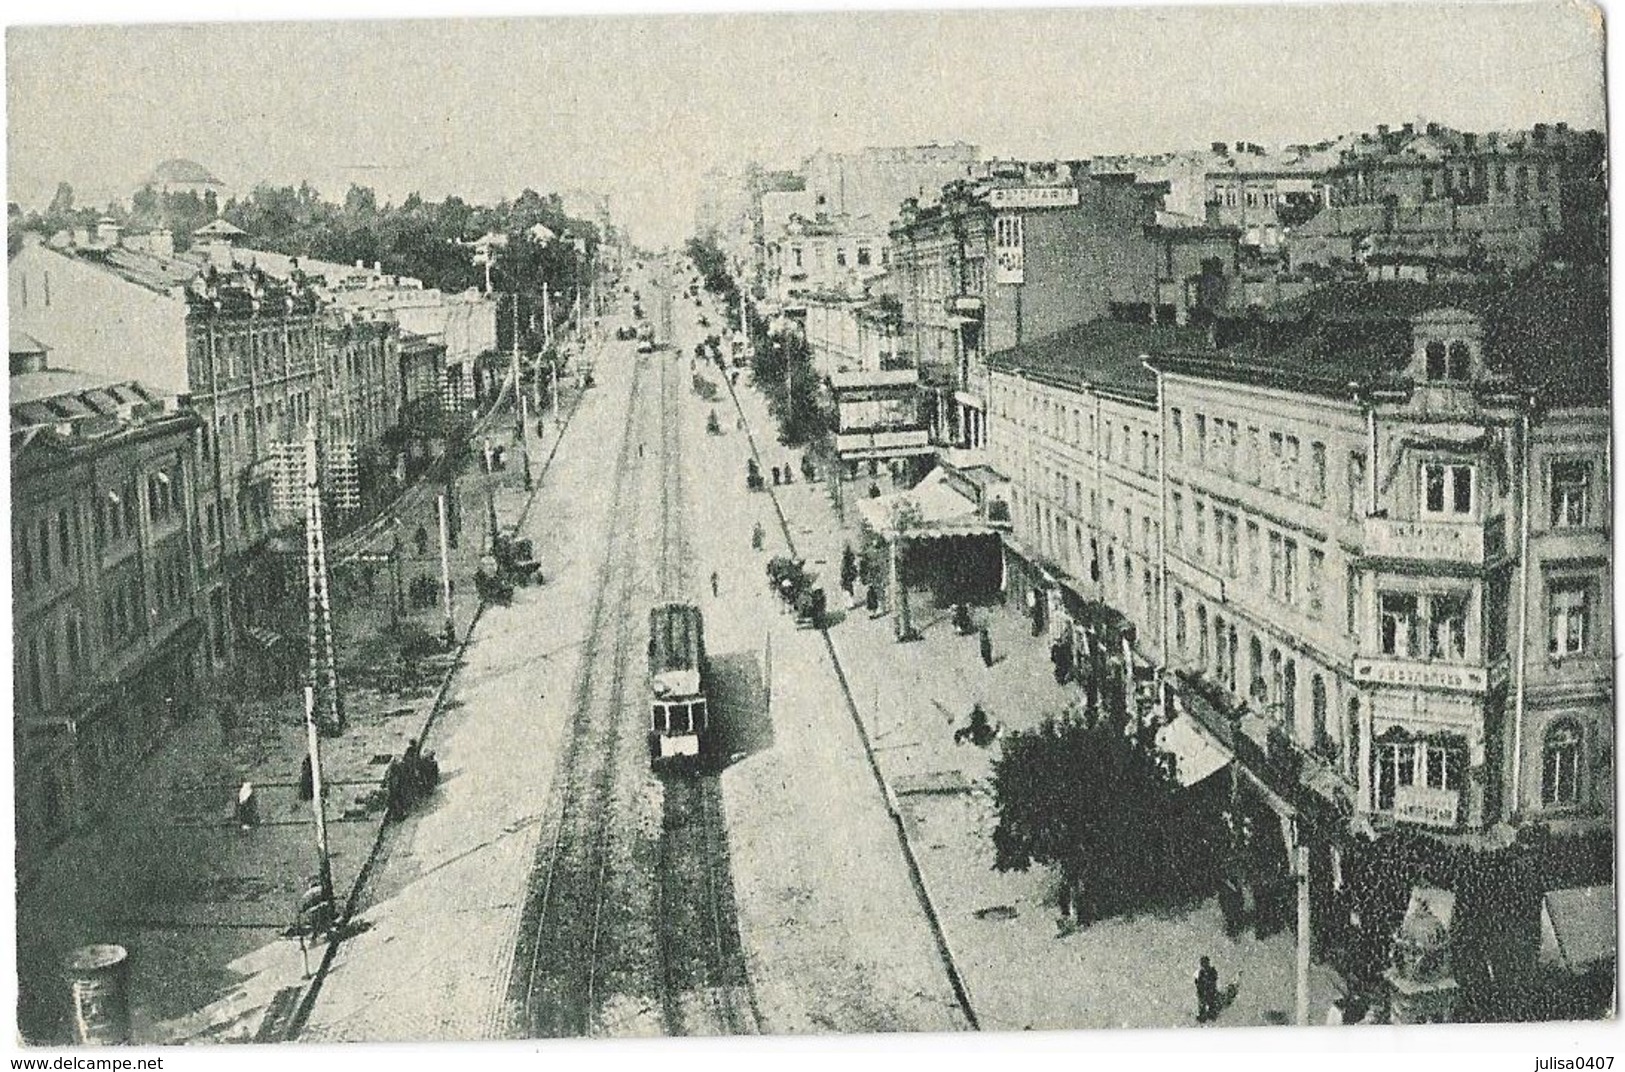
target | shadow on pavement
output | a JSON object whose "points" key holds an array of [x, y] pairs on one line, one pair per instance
{"points": [[739, 719]]}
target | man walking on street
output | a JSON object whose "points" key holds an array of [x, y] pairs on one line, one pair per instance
{"points": [[713, 584], [1207, 992], [987, 648]]}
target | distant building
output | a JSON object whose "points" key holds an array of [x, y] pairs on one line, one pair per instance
{"points": [[179, 176], [1024, 253]]}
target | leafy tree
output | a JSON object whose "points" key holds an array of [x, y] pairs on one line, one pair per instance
{"points": [[1090, 793]]}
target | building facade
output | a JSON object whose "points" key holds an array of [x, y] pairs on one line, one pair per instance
{"points": [[110, 608]]}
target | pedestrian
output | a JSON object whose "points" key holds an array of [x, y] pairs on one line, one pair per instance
{"points": [[987, 647], [307, 780], [775, 476], [871, 599], [248, 806], [713, 583], [640, 450], [1207, 992]]}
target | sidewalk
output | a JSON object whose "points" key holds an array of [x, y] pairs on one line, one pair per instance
{"points": [[201, 904], [1020, 969]]}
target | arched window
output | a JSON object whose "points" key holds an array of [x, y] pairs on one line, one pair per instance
{"points": [[1325, 742], [1179, 620], [1201, 636], [1289, 691], [1257, 687], [1276, 684], [1560, 764]]}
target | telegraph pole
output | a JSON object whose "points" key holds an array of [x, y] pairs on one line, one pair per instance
{"points": [[519, 395], [318, 804], [445, 573], [323, 666]]}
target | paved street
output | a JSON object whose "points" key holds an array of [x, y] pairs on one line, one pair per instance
{"points": [[1021, 970]]}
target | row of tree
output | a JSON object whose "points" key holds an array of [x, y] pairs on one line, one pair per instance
{"points": [[425, 240]]}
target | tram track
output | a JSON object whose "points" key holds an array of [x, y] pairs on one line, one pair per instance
{"points": [[705, 984], [554, 988]]}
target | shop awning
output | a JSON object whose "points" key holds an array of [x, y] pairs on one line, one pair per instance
{"points": [[1197, 757], [1578, 928], [937, 506]]}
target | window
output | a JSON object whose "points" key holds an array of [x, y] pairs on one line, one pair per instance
{"points": [[1294, 471], [1201, 439], [1255, 456], [1179, 521], [1145, 453], [1201, 636], [1233, 532], [865, 257], [1325, 740], [1317, 473], [1276, 555], [1356, 488], [1315, 583], [1568, 616], [1460, 364], [1560, 765], [64, 538], [1254, 552], [1571, 486], [1179, 620], [1277, 460], [1447, 627], [1447, 489], [1400, 625], [45, 549], [1177, 421], [1290, 574], [1201, 530]]}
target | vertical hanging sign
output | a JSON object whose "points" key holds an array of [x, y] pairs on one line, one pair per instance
{"points": [[1007, 250]]}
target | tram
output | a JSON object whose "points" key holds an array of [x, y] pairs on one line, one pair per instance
{"points": [[679, 715]]}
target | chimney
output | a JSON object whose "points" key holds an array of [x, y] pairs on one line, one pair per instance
{"points": [[1218, 148], [1382, 130], [1540, 134], [1410, 128], [377, 267], [1562, 129], [1469, 142], [1433, 128], [1241, 147], [360, 265]]}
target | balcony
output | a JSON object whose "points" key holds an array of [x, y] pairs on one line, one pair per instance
{"points": [[1468, 543], [882, 443]]}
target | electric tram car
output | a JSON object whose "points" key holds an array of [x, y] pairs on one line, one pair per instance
{"points": [[679, 716]]}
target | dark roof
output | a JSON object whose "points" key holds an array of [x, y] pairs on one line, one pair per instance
{"points": [[181, 171], [1107, 355], [1547, 331]]}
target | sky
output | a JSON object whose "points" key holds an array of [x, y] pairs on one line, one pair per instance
{"points": [[639, 107]]}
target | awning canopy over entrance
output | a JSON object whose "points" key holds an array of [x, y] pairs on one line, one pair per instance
{"points": [[1196, 756], [934, 509], [1577, 928]]}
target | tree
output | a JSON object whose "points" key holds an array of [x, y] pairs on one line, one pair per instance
{"points": [[1091, 793], [62, 201]]}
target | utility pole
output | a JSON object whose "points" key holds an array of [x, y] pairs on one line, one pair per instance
{"points": [[1301, 867], [318, 804], [397, 605], [519, 395], [319, 609], [445, 573]]}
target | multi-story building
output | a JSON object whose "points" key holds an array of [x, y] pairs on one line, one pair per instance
{"points": [[1412, 486], [1371, 530], [244, 350], [109, 600], [1073, 425], [873, 183], [1023, 254]]}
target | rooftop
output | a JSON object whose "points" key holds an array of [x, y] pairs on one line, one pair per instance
{"points": [[1105, 354], [179, 170], [54, 396], [1547, 331]]}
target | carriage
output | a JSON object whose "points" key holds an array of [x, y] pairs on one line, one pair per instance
{"points": [[679, 723]]}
